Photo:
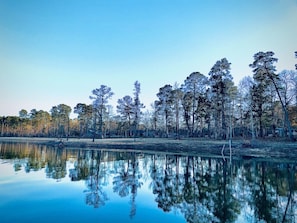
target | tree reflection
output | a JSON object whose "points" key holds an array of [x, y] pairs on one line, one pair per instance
{"points": [[198, 202], [82, 169], [56, 164], [35, 162], [164, 189], [128, 180], [200, 189], [95, 195], [272, 191], [263, 195], [226, 206], [290, 188]]}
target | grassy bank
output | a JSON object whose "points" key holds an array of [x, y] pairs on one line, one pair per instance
{"points": [[259, 149]]}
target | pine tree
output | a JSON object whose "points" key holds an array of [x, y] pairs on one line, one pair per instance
{"points": [[177, 96], [164, 106], [100, 99], [125, 108], [84, 113], [265, 75], [194, 87], [137, 106], [220, 84]]}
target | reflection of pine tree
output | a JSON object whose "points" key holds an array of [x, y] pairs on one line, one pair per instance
{"points": [[164, 194], [81, 169], [263, 197], [268, 190], [136, 184], [35, 161], [201, 189], [188, 183], [121, 181], [167, 192], [197, 205], [226, 206], [56, 164], [128, 181], [291, 206], [95, 196], [177, 193]]}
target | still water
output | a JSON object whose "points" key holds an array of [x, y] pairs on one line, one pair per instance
{"points": [[46, 184]]}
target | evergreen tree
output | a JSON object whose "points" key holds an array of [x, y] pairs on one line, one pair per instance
{"points": [[84, 113], [23, 114], [194, 88], [220, 84], [177, 96], [60, 116], [265, 75], [100, 97], [126, 110], [137, 106], [164, 106]]}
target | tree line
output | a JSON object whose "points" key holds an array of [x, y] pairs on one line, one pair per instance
{"points": [[263, 105]]}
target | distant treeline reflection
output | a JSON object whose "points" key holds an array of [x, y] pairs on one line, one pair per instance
{"points": [[203, 189]]}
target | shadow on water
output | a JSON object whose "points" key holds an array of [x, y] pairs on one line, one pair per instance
{"points": [[202, 189]]}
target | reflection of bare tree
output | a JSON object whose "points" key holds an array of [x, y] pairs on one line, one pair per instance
{"points": [[128, 181], [95, 195]]}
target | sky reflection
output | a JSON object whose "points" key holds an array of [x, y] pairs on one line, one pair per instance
{"points": [[39, 183], [33, 197]]}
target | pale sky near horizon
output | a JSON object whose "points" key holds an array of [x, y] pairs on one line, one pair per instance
{"points": [[58, 51]]}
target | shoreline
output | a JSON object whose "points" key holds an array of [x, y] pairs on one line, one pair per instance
{"points": [[265, 149]]}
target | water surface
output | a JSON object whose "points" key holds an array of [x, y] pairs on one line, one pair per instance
{"points": [[45, 184]]}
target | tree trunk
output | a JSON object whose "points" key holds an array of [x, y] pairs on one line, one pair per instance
{"points": [[94, 128], [68, 127], [177, 123], [260, 126], [224, 126], [284, 107], [2, 128], [253, 127]]}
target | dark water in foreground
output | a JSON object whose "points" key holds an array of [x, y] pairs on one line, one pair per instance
{"points": [[44, 184]]}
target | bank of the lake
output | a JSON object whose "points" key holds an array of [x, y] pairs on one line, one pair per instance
{"points": [[258, 149]]}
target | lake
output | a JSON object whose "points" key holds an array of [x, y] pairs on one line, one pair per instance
{"points": [[47, 184]]}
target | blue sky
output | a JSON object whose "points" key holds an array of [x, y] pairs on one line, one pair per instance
{"points": [[58, 51]]}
